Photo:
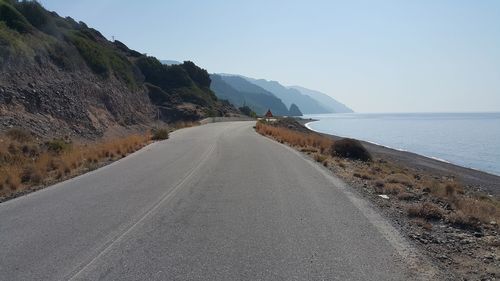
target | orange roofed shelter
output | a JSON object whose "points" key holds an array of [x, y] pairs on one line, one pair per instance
{"points": [[269, 114]]}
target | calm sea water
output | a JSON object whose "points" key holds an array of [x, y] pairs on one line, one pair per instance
{"points": [[466, 139]]}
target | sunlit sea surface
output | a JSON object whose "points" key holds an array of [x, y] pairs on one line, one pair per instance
{"points": [[466, 139]]}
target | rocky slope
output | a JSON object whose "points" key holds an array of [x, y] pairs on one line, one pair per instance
{"points": [[60, 77]]}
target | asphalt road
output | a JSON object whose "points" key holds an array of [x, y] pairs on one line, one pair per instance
{"points": [[215, 202]]}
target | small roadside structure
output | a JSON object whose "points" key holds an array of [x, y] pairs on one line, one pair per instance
{"points": [[268, 117]]}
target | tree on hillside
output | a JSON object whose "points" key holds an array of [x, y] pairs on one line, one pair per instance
{"points": [[247, 111]]}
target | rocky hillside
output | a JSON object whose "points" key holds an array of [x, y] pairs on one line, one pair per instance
{"points": [[240, 92], [61, 77], [290, 96], [306, 100], [325, 100]]}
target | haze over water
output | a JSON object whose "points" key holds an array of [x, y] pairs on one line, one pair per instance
{"points": [[466, 139]]}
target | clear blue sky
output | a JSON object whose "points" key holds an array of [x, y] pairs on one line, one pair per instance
{"points": [[375, 56]]}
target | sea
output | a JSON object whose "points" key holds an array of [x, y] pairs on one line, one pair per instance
{"points": [[467, 139]]}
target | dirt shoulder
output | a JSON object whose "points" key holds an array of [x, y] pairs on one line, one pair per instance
{"points": [[447, 211]]}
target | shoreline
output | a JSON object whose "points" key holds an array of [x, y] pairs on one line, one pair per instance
{"points": [[444, 210], [476, 179]]}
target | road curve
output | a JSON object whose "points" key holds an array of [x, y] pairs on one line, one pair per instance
{"points": [[215, 202]]}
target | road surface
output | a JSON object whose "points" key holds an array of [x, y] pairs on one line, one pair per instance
{"points": [[215, 202]]}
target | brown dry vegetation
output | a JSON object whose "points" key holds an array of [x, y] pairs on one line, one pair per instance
{"points": [[309, 141], [184, 124], [26, 162], [437, 198], [454, 224]]}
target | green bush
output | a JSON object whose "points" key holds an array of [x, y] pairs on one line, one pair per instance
{"points": [[199, 75], [157, 95], [12, 18], [91, 53], [160, 134], [247, 111], [350, 148], [33, 12], [163, 76], [57, 145], [101, 59]]}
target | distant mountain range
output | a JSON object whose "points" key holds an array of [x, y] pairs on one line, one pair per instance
{"points": [[306, 104], [170, 62], [325, 100], [260, 95], [241, 92]]}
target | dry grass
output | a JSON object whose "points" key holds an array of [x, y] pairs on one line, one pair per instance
{"points": [[415, 191], [426, 210], [483, 210], [362, 175], [184, 124], [399, 178], [394, 188], [295, 138], [25, 162], [320, 158]]}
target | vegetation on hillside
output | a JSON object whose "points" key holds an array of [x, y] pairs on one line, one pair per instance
{"points": [[242, 93], [29, 34], [186, 81], [248, 111]]}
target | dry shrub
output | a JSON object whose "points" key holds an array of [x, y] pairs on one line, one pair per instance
{"points": [[309, 150], [159, 134], [58, 145], [351, 149], [461, 220], [483, 210], [406, 196], [320, 158], [28, 164], [423, 223], [379, 189], [295, 138], [362, 175], [375, 170], [31, 174], [184, 124], [379, 183], [19, 135], [393, 188], [452, 189], [447, 190], [399, 178], [426, 210]]}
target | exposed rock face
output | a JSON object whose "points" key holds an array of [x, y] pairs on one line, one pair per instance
{"points": [[58, 77], [294, 110], [47, 101]]}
